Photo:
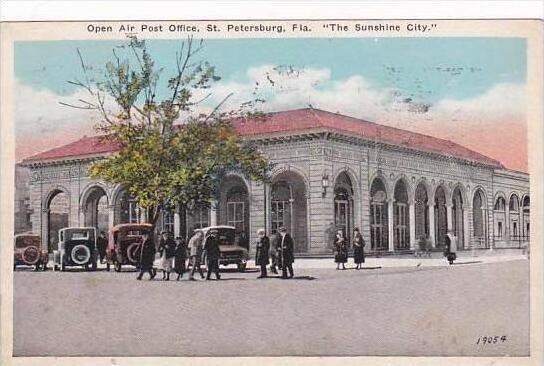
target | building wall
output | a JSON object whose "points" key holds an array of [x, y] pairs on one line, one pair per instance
{"points": [[308, 160]]}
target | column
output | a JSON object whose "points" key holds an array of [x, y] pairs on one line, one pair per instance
{"points": [[466, 228], [412, 217], [431, 224], [390, 225], [268, 212], [213, 213], [449, 217], [177, 222], [111, 216]]}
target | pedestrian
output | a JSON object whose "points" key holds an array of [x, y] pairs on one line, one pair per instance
{"points": [[180, 257], [286, 253], [147, 256], [195, 246], [450, 250], [261, 256], [102, 244], [276, 237], [212, 253], [167, 251], [358, 249], [341, 250]]}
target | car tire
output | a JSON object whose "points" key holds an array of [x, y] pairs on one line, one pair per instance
{"points": [[132, 253], [31, 255], [242, 266], [81, 254]]}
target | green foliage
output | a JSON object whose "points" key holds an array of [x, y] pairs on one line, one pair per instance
{"points": [[162, 160]]}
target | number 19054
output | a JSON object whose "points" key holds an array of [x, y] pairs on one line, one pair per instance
{"points": [[491, 340]]}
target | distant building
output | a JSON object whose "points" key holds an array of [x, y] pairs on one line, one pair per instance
{"points": [[395, 185]]}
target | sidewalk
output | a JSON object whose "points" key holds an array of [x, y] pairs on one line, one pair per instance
{"points": [[464, 258]]}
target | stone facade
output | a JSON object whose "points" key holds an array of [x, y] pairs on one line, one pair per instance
{"points": [[393, 194]]}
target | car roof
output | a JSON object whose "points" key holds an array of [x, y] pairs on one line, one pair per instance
{"points": [[27, 234], [206, 229], [78, 228], [131, 226]]}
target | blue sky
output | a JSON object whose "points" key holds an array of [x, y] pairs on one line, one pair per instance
{"points": [[50, 64], [468, 90]]}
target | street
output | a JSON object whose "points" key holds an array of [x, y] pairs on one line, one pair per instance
{"points": [[393, 311]]}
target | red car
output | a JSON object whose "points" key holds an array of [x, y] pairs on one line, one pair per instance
{"points": [[28, 251], [124, 244]]}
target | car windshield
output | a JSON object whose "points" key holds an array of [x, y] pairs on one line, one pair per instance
{"points": [[25, 241], [226, 236]]}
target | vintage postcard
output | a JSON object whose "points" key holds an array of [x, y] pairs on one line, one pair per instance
{"points": [[272, 192]]}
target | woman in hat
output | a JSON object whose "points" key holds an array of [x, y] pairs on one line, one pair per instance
{"points": [[358, 248], [341, 250]]}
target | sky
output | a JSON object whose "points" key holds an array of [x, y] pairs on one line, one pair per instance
{"points": [[468, 90]]}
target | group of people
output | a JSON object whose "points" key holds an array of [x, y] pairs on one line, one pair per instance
{"points": [[341, 247], [205, 249]]}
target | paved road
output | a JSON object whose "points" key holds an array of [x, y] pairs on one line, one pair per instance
{"points": [[385, 311]]}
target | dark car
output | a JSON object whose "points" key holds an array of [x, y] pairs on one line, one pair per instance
{"points": [[28, 251], [124, 245], [77, 247], [231, 253]]}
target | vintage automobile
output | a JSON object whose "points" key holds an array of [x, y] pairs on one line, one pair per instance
{"points": [[77, 247], [124, 245], [230, 252], [28, 251]]}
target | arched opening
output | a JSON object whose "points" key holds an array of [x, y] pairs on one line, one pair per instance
{"points": [[421, 211], [526, 217], [457, 217], [513, 208], [378, 216], [126, 209], [343, 205], [479, 218], [233, 207], [401, 218], [95, 209], [288, 207], [58, 216], [499, 217], [440, 217]]}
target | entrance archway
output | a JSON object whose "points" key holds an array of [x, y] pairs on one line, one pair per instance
{"points": [[457, 217], [401, 218], [343, 205], [288, 207], [421, 212], [58, 216], [95, 209], [378, 216], [440, 217], [479, 218]]}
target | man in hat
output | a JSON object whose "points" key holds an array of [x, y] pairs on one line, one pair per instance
{"points": [[211, 252], [285, 251]]}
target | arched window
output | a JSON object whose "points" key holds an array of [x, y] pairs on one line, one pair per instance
{"points": [[514, 203], [378, 216], [500, 204]]}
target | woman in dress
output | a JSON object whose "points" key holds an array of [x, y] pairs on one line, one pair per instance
{"points": [[341, 255], [180, 257], [167, 249], [358, 248]]}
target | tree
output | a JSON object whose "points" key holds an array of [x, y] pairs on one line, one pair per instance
{"points": [[163, 163]]}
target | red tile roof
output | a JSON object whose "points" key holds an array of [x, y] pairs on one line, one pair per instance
{"points": [[299, 121]]}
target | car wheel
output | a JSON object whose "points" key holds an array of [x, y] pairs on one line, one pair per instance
{"points": [[242, 266], [81, 254], [117, 266]]}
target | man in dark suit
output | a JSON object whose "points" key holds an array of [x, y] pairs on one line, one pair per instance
{"points": [[261, 255], [286, 253], [211, 252], [147, 256]]}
